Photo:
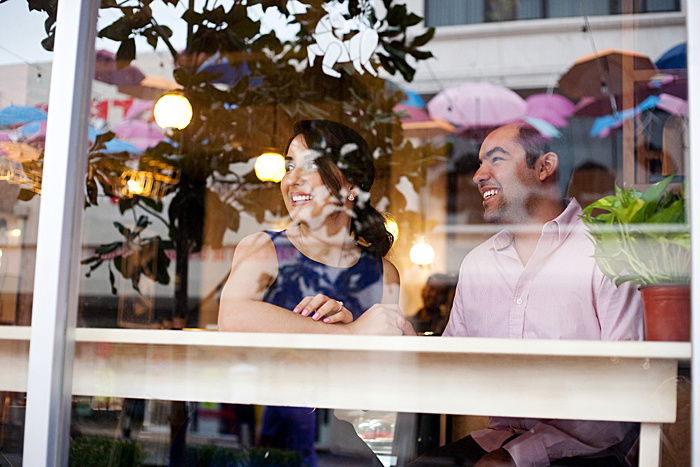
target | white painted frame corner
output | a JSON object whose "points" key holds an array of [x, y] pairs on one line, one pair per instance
{"points": [[47, 419]]}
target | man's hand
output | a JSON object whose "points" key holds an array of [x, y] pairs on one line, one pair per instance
{"points": [[498, 458], [383, 320]]}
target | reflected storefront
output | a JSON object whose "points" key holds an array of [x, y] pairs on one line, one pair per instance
{"points": [[352, 232]]}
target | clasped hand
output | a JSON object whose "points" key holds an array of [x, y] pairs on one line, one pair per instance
{"points": [[380, 319], [322, 307]]}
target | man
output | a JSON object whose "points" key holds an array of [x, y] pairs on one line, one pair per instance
{"points": [[536, 279]]}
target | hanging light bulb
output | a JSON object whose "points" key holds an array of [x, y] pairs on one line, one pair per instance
{"points": [[422, 253], [269, 167], [392, 227], [173, 110]]}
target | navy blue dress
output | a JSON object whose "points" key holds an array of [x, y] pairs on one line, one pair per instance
{"points": [[358, 287]]}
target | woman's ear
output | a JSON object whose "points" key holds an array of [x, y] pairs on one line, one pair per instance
{"points": [[547, 165]]}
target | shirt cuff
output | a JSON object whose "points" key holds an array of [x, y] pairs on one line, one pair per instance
{"points": [[527, 451]]}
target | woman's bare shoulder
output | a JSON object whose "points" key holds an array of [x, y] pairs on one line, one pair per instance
{"points": [[258, 245], [391, 274]]}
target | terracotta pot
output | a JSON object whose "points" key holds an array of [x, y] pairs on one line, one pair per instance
{"points": [[666, 312]]}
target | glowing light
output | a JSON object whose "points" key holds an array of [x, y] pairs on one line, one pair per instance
{"points": [[134, 187], [15, 233], [422, 253], [392, 227], [173, 111], [269, 167]]}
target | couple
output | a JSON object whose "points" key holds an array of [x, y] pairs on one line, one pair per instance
{"points": [[541, 283]]}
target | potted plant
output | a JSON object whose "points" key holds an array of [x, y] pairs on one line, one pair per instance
{"points": [[643, 237]]}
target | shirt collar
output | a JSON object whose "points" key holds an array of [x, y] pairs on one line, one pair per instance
{"points": [[560, 226]]}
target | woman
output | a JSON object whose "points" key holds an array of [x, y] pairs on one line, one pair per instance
{"points": [[326, 273]]}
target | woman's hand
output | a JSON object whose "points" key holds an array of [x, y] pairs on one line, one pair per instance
{"points": [[383, 319], [322, 307]]}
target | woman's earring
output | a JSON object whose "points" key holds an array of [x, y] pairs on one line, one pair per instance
{"points": [[351, 197]]}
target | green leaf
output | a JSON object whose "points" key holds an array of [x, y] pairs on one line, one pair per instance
{"points": [[412, 19], [126, 53], [120, 30], [424, 38], [655, 191]]}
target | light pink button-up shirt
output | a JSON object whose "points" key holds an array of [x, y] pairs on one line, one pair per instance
{"points": [[559, 294]]}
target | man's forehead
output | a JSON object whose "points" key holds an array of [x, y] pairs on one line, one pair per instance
{"points": [[503, 137]]}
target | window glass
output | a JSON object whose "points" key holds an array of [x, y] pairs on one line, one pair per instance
{"points": [[264, 179], [25, 73], [557, 9]]}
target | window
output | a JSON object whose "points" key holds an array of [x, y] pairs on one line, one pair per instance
{"points": [[452, 12]]}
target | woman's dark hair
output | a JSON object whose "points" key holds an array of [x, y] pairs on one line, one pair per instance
{"points": [[342, 148]]}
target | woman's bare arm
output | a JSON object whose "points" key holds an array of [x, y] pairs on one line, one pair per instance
{"points": [[391, 283], [253, 270]]}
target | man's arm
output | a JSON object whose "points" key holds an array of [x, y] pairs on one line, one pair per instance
{"points": [[620, 315], [556, 439]]}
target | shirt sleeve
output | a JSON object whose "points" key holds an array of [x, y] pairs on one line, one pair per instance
{"points": [[456, 324], [549, 440], [619, 310]]}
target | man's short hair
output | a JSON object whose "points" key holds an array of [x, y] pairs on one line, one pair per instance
{"points": [[532, 142]]}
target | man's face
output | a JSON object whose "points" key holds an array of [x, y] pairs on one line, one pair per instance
{"points": [[507, 185]]}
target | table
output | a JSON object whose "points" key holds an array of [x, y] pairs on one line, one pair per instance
{"points": [[586, 380]]}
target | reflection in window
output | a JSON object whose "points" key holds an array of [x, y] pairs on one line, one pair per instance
{"points": [[452, 12]]}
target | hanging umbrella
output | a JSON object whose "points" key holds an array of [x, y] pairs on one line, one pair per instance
{"points": [[545, 128], [20, 114], [670, 104], [109, 70], [603, 74], [552, 108], [138, 108], [226, 72], [675, 58], [413, 99], [477, 105], [150, 88], [117, 145], [20, 152], [139, 133], [676, 86]]}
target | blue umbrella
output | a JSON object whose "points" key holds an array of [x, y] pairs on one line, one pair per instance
{"points": [[413, 99], [117, 145], [227, 73], [674, 58], [18, 114], [602, 125]]}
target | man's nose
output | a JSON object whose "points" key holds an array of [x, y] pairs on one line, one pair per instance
{"points": [[481, 175]]}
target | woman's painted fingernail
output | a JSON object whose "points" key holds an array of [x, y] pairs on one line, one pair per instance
{"points": [[296, 309], [305, 312], [316, 316], [326, 320]]}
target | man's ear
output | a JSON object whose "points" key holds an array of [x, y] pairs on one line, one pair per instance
{"points": [[547, 165]]}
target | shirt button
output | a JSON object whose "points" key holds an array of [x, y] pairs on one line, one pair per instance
{"points": [[519, 301]]}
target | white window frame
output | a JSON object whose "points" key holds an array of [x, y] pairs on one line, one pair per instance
{"points": [[60, 225], [49, 379]]}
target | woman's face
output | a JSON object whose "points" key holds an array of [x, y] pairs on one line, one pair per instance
{"points": [[305, 195]]}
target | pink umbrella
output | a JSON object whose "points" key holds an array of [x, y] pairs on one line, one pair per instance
{"points": [[552, 108], [415, 114], [138, 108], [140, 133], [673, 105], [474, 105]]}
